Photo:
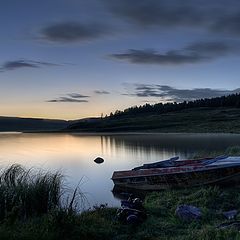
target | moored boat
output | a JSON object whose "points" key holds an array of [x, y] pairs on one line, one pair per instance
{"points": [[174, 173]]}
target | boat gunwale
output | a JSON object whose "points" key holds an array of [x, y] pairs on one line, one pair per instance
{"points": [[218, 181], [204, 168]]}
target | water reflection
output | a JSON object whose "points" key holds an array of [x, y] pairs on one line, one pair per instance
{"points": [[179, 142], [73, 154]]}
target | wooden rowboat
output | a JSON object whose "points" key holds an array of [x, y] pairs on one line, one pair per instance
{"points": [[174, 173]]}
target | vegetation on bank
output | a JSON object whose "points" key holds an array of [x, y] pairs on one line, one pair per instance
{"points": [[32, 207], [161, 223], [24, 195], [195, 120]]}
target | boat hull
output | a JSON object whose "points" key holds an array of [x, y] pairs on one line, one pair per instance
{"points": [[160, 181]]}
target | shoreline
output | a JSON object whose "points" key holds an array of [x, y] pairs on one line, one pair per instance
{"points": [[118, 133]]}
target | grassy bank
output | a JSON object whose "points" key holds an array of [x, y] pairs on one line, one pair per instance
{"points": [[199, 120], [161, 222], [32, 207]]}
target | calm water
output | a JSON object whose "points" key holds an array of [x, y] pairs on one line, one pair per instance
{"points": [[74, 154]]}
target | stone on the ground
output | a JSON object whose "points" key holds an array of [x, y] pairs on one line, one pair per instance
{"points": [[188, 213], [230, 214], [226, 225]]}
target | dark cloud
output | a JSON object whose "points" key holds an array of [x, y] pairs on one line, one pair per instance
{"points": [[157, 12], [72, 32], [77, 95], [211, 15], [101, 92], [66, 99], [229, 24], [212, 48], [23, 63], [153, 57], [71, 98], [194, 53], [168, 93]]}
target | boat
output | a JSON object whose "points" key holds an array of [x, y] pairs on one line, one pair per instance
{"points": [[175, 173]]}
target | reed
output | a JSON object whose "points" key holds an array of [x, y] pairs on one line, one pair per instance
{"points": [[26, 193]]}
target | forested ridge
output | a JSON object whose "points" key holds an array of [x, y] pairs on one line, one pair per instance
{"points": [[232, 100], [213, 115]]}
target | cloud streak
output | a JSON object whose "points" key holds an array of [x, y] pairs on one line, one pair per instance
{"points": [[23, 63], [193, 53], [70, 98], [77, 95], [101, 92], [67, 32], [168, 93]]}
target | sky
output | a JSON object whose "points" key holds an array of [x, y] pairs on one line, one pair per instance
{"points": [[71, 59]]}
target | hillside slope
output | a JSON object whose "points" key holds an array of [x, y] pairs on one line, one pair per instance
{"points": [[30, 124], [219, 120]]}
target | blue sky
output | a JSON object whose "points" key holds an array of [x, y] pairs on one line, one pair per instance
{"points": [[78, 58]]}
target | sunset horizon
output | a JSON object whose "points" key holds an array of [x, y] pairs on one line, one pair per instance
{"points": [[76, 59]]}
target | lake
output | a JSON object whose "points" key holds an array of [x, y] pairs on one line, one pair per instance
{"points": [[74, 154]]}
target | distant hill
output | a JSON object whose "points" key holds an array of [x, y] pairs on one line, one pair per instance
{"points": [[221, 114], [31, 124]]}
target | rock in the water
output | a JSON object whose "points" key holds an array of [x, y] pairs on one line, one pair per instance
{"points": [[188, 212], [99, 160]]}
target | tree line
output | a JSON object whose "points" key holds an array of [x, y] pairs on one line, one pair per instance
{"points": [[232, 100]]}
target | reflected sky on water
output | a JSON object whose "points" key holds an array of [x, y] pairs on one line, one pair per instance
{"points": [[74, 154]]}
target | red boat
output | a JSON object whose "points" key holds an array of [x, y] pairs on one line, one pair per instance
{"points": [[174, 173]]}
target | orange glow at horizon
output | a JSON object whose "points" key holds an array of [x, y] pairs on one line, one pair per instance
{"points": [[67, 111]]}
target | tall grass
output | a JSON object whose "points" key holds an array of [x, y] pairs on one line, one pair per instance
{"points": [[26, 193]]}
